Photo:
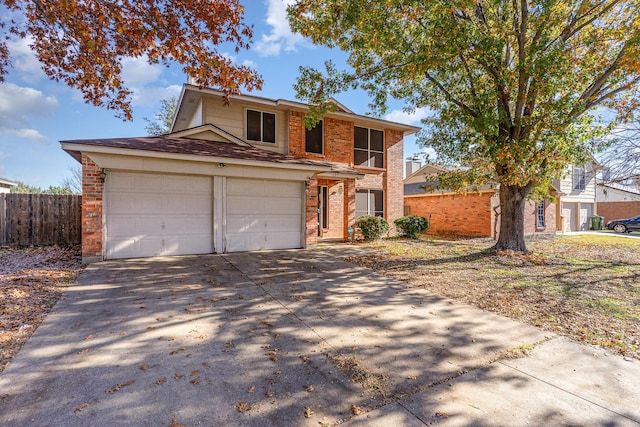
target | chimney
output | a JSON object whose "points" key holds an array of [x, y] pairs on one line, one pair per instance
{"points": [[412, 164]]}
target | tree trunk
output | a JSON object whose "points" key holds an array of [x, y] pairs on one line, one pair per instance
{"points": [[512, 202]]}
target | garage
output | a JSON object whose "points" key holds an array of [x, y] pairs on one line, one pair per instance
{"points": [[157, 214], [263, 214]]}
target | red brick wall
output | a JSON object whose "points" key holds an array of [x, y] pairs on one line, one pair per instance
{"points": [[465, 215], [394, 187], [311, 237], [531, 217], [338, 140], [91, 210], [349, 205], [618, 210], [335, 190]]}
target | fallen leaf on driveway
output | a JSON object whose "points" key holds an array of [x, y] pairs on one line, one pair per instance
{"points": [[308, 412], [243, 406], [119, 386], [356, 410], [144, 367], [161, 380], [175, 423], [79, 408], [309, 387]]}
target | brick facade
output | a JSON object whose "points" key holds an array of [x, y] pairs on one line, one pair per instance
{"points": [[457, 214], [394, 187], [311, 236], [472, 214], [618, 210], [92, 188], [339, 147]]}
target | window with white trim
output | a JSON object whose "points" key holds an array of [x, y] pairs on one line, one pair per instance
{"points": [[369, 202], [541, 212], [579, 178], [261, 126], [313, 142], [368, 147]]}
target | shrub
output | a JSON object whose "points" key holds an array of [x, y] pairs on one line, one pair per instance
{"points": [[412, 225], [372, 227]]}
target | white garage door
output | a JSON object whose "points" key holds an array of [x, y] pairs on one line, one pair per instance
{"points": [[263, 214], [151, 214]]}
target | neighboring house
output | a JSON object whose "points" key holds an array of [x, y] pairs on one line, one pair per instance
{"points": [[238, 177], [5, 185], [578, 197], [474, 213], [617, 201]]}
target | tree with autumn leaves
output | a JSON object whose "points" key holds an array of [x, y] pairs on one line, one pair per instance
{"points": [[515, 87], [82, 42]]}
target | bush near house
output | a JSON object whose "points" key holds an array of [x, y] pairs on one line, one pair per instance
{"points": [[372, 227], [412, 225]]}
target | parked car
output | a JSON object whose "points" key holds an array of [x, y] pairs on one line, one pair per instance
{"points": [[624, 225]]}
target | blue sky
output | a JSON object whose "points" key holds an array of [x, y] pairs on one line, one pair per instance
{"points": [[36, 113]]}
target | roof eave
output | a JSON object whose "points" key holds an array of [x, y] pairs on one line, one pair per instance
{"points": [[71, 147]]}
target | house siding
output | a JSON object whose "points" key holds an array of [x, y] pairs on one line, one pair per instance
{"points": [[92, 209], [231, 118]]}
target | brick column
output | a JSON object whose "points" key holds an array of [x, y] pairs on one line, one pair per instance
{"points": [[349, 206], [394, 186], [311, 232], [91, 211]]}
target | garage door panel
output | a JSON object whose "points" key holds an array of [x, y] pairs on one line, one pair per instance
{"points": [[282, 206], [281, 240], [120, 181], [179, 224], [283, 223], [245, 187], [283, 189], [147, 183], [154, 214], [178, 204], [244, 205], [263, 214], [245, 223]]}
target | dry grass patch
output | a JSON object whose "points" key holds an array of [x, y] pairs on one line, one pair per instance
{"points": [[583, 286], [31, 281]]}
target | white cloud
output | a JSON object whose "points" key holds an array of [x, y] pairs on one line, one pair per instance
{"points": [[280, 36], [24, 133], [24, 60], [150, 96], [18, 103], [137, 72], [409, 118], [249, 63]]}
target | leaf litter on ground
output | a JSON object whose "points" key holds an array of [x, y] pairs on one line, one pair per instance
{"points": [[584, 286]]}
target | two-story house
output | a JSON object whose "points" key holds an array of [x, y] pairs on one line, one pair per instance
{"points": [[238, 176], [577, 204]]}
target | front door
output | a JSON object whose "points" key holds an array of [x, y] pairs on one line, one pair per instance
{"points": [[323, 209]]}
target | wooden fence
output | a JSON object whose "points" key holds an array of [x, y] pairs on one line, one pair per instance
{"points": [[40, 219]]}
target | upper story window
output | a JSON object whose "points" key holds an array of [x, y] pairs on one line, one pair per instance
{"points": [[579, 178], [369, 202], [541, 212], [314, 139], [368, 147], [261, 126]]}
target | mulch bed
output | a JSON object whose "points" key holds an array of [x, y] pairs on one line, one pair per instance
{"points": [[31, 281]]}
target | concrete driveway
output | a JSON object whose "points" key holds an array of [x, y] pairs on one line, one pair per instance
{"points": [[296, 338]]}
